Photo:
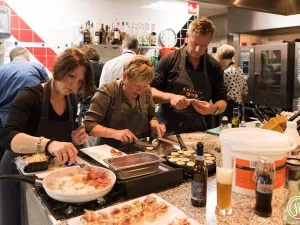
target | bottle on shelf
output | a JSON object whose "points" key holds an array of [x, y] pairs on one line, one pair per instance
{"points": [[116, 32], [87, 35], [146, 32], [199, 179], [81, 35], [97, 32], [102, 35], [92, 33], [108, 35], [235, 122], [153, 36]]}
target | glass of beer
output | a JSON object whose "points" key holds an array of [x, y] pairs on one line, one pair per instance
{"points": [[224, 188]]}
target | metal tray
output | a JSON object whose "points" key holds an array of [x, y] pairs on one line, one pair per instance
{"points": [[134, 165]]}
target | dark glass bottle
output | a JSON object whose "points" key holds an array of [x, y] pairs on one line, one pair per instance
{"points": [[199, 179], [102, 35], [263, 193], [235, 122], [87, 34]]}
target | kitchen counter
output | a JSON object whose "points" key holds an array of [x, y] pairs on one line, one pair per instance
{"points": [[242, 206]]}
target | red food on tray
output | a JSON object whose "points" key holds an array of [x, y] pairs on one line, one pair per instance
{"points": [[113, 152]]}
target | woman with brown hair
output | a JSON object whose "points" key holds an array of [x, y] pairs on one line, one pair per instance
{"points": [[42, 119], [123, 111]]}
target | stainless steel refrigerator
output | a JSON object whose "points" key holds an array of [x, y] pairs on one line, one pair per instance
{"points": [[270, 73]]}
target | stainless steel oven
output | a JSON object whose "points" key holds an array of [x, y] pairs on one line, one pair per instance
{"points": [[271, 74]]}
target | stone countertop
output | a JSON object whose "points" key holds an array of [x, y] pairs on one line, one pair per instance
{"points": [[242, 206]]}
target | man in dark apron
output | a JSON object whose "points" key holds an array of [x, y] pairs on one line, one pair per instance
{"points": [[13, 194], [188, 83]]}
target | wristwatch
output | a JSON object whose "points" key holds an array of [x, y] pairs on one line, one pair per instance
{"points": [[217, 110]]}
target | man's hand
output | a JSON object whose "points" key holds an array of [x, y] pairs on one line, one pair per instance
{"points": [[179, 102], [203, 107]]}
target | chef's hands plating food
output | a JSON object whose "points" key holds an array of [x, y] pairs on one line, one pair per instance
{"points": [[160, 129], [124, 135], [63, 151], [79, 136]]}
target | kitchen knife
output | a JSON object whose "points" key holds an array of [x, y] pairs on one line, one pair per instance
{"points": [[274, 111], [294, 116]]}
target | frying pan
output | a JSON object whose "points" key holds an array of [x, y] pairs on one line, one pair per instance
{"points": [[63, 197]]}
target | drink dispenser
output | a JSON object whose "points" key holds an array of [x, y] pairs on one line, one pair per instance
{"points": [[4, 29], [4, 22]]}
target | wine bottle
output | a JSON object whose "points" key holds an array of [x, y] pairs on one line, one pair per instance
{"points": [[199, 179]]}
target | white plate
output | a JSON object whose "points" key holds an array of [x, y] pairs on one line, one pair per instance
{"points": [[100, 152], [165, 219]]}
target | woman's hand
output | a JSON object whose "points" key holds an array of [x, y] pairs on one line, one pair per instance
{"points": [[79, 136], [124, 135], [64, 151], [160, 129]]}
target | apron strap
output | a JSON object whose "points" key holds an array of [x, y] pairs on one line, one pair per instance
{"points": [[46, 104], [46, 100]]}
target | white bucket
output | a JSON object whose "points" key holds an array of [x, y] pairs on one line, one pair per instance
{"points": [[244, 146]]}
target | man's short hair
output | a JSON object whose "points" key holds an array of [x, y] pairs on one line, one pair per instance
{"points": [[130, 43], [202, 26], [90, 52], [18, 52]]}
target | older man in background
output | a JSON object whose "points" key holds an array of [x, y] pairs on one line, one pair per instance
{"points": [[113, 69], [15, 76]]}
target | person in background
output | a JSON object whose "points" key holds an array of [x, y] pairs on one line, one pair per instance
{"points": [[42, 119], [234, 80], [123, 111], [96, 65], [15, 76], [188, 83], [113, 69]]}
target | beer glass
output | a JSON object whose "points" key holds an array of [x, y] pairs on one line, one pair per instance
{"points": [[224, 187]]}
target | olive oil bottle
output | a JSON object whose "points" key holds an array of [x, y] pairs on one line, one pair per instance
{"points": [[235, 122], [199, 179]]}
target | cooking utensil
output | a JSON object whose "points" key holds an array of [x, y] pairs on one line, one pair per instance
{"points": [[294, 116], [274, 111], [258, 116], [134, 165], [181, 143], [168, 141], [143, 144], [188, 169], [64, 197]]}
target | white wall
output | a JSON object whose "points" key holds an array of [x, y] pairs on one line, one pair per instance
{"points": [[52, 20]]}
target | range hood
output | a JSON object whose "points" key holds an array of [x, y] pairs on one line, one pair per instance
{"points": [[282, 7]]}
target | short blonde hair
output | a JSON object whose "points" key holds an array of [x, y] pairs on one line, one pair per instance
{"points": [[202, 26], [225, 52], [139, 69]]}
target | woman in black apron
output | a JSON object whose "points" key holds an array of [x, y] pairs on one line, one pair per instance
{"points": [[41, 119], [123, 111]]}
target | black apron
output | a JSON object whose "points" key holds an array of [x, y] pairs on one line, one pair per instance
{"points": [[137, 123], [193, 85], [13, 210]]}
